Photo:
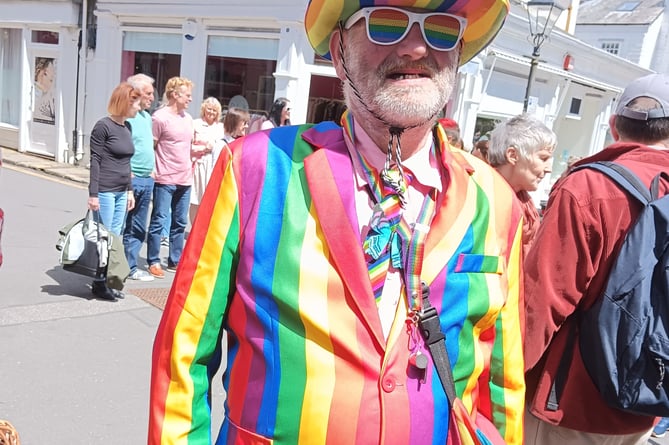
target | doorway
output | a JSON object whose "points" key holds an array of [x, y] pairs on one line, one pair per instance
{"points": [[44, 103]]}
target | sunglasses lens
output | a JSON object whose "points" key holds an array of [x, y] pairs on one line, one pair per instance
{"points": [[442, 31], [386, 26]]}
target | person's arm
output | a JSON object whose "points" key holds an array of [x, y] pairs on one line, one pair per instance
{"points": [[186, 349], [507, 379], [131, 200], [558, 270], [156, 129], [99, 136], [200, 145]]}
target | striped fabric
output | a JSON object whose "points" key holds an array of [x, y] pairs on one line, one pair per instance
{"points": [[275, 260], [484, 19]]}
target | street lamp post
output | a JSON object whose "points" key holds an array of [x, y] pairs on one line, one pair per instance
{"points": [[542, 15]]}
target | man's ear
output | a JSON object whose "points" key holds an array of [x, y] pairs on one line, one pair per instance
{"points": [[335, 53], [612, 126], [512, 155], [462, 45]]}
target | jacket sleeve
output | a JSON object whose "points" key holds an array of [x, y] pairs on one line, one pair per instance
{"points": [[507, 381], [98, 140], [558, 270], [186, 351]]}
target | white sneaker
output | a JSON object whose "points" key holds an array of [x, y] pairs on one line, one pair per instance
{"points": [[140, 275]]}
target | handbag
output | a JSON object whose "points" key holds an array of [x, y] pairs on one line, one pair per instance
{"points": [[462, 429], [84, 245]]}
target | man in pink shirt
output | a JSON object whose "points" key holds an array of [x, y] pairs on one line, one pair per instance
{"points": [[172, 137]]}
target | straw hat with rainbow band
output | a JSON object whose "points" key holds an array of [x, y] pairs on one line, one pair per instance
{"points": [[484, 19]]}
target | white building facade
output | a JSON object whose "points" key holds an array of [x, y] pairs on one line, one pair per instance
{"points": [[38, 75], [257, 49]]}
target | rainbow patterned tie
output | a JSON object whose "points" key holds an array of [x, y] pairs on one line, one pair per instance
{"points": [[383, 243]]}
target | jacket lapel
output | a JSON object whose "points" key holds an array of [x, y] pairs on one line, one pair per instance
{"points": [[453, 216], [329, 174]]}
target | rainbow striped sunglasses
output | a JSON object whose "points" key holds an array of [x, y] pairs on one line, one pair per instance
{"points": [[388, 26]]}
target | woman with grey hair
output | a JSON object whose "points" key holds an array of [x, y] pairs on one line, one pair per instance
{"points": [[521, 150]]}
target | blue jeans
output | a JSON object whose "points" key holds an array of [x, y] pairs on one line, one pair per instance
{"points": [[137, 220], [113, 206], [166, 197]]}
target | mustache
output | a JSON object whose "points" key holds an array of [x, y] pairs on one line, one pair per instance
{"points": [[428, 66]]}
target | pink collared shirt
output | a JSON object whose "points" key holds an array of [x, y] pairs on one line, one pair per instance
{"points": [[424, 168]]}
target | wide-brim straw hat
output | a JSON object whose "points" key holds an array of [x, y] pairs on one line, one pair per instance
{"points": [[484, 19]]}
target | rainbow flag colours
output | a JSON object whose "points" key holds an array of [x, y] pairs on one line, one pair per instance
{"points": [[274, 261]]}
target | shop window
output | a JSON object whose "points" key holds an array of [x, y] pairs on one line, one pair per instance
{"points": [[226, 77], [575, 106], [242, 66], [326, 99], [48, 37], [611, 47], [155, 54], [10, 71]]}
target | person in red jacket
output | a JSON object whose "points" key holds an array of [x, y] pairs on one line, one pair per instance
{"points": [[584, 225]]}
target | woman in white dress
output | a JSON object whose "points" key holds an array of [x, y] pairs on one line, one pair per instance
{"points": [[208, 131]]}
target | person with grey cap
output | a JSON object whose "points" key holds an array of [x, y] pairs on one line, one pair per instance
{"points": [[584, 225]]}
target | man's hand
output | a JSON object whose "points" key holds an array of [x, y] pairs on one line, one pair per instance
{"points": [[131, 200]]}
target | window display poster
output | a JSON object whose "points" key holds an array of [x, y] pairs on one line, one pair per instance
{"points": [[44, 110]]}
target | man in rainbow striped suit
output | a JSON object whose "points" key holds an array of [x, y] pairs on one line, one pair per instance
{"points": [[312, 245]]}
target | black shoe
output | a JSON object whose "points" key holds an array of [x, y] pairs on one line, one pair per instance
{"points": [[100, 290]]}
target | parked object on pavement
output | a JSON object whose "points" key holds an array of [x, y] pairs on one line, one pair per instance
{"points": [[88, 248]]}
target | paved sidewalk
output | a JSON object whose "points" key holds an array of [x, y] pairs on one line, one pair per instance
{"points": [[74, 370], [153, 292], [76, 173]]}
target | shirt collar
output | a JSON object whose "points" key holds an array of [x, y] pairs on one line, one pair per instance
{"points": [[422, 164]]}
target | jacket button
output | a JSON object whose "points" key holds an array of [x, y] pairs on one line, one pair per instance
{"points": [[388, 384]]}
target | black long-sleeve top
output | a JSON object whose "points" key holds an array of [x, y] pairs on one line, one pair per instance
{"points": [[111, 150]]}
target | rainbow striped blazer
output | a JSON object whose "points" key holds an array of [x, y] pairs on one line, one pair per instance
{"points": [[275, 260]]}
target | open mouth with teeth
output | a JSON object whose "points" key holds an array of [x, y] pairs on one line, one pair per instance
{"points": [[405, 76]]}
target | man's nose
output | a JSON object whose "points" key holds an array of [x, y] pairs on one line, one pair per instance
{"points": [[413, 44]]}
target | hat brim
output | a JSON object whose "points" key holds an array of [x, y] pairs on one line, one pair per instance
{"points": [[484, 19]]}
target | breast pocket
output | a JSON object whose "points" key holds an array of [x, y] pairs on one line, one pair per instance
{"points": [[476, 263], [482, 278]]}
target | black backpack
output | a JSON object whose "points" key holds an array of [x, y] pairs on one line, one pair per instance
{"points": [[624, 336]]}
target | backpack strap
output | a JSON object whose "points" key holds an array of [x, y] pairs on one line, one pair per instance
{"points": [[622, 176]]}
